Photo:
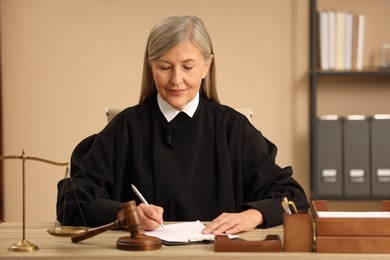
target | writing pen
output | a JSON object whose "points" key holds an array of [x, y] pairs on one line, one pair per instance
{"points": [[292, 207], [289, 206], [285, 206], [139, 195]]}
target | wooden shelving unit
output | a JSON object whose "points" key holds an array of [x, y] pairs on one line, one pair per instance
{"points": [[315, 74]]}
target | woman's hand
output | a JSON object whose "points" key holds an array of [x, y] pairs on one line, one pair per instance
{"points": [[233, 223], [151, 216]]}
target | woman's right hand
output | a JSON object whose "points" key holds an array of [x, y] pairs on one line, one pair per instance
{"points": [[151, 216]]}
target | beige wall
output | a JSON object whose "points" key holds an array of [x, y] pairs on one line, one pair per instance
{"points": [[65, 61]]}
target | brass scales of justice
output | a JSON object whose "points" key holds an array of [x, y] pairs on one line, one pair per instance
{"points": [[136, 241], [24, 245]]}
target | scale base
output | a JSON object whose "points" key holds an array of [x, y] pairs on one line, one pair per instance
{"points": [[23, 246]]}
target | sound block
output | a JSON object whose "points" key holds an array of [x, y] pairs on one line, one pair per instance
{"points": [[140, 243]]}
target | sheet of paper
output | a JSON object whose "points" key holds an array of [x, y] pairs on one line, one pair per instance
{"points": [[353, 214], [181, 232]]}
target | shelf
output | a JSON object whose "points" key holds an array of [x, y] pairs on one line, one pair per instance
{"points": [[325, 154], [365, 72]]}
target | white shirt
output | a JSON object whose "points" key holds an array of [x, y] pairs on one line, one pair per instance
{"points": [[170, 112]]}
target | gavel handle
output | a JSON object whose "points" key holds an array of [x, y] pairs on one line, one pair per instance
{"points": [[116, 224]]}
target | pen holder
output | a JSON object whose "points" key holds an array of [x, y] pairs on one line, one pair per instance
{"points": [[298, 232]]}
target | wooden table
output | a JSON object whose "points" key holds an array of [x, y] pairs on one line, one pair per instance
{"points": [[103, 246]]}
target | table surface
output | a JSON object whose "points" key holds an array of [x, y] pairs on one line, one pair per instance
{"points": [[103, 246]]}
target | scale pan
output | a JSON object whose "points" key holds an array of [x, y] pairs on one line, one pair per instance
{"points": [[66, 231]]}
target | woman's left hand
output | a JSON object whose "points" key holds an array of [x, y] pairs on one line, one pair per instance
{"points": [[233, 223]]}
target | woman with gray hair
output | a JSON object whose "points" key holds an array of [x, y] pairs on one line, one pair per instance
{"points": [[191, 157]]}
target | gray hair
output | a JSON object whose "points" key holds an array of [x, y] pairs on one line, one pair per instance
{"points": [[168, 33]]}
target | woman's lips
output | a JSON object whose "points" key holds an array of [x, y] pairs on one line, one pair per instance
{"points": [[176, 92]]}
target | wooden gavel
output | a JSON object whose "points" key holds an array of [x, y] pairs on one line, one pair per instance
{"points": [[93, 232], [136, 241]]}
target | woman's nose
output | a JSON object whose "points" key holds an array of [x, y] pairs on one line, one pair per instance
{"points": [[177, 77]]}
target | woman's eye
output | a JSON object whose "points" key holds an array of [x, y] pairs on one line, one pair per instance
{"points": [[164, 68], [188, 68]]}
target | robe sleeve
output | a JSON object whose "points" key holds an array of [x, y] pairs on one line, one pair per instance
{"points": [[265, 183], [83, 199]]}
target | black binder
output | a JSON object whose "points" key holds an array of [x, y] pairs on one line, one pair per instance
{"points": [[356, 156], [329, 181], [380, 155]]}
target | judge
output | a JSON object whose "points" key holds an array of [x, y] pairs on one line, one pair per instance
{"points": [[191, 157]]}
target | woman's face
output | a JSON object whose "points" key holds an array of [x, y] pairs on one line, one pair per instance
{"points": [[179, 72]]}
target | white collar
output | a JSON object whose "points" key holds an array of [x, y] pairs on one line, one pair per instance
{"points": [[170, 112]]}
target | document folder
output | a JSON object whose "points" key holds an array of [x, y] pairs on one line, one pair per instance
{"points": [[351, 234], [328, 181], [356, 156], [380, 155]]}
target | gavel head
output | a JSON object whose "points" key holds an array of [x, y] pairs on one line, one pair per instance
{"points": [[133, 220]]}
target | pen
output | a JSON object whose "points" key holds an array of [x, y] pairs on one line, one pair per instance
{"points": [[139, 195], [292, 207], [201, 240], [286, 206]]}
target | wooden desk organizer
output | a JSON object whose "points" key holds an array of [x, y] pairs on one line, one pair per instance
{"points": [[298, 232], [351, 235], [271, 243]]}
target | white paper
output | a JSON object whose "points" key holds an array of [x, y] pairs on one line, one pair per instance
{"points": [[181, 232], [353, 214]]}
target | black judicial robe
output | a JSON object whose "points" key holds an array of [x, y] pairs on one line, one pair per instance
{"points": [[195, 168]]}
